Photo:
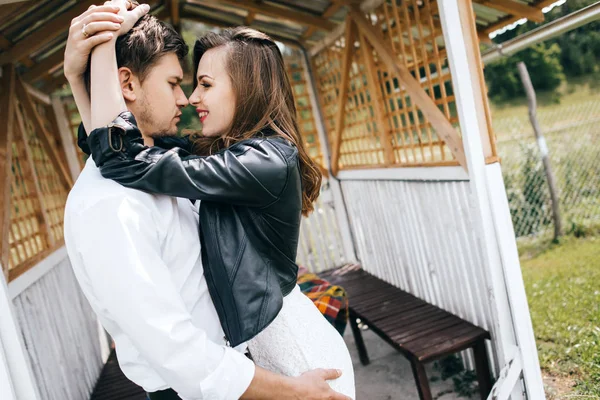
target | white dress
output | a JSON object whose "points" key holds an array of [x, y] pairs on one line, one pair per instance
{"points": [[301, 339]]}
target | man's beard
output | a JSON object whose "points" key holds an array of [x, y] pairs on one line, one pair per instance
{"points": [[158, 130]]}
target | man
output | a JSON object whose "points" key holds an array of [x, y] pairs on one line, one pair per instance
{"points": [[137, 255]]}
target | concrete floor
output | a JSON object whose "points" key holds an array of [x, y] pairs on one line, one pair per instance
{"points": [[389, 375]]}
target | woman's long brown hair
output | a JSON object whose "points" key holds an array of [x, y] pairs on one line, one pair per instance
{"points": [[264, 99]]}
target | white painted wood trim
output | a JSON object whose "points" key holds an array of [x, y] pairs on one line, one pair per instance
{"points": [[66, 137], [480, 212], [508, 378], [7, 390], [341, 212], [23, 381], [514, 278], [23, 281], [405, 174]]}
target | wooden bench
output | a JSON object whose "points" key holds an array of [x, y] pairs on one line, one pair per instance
{"points": [[419, 330]]}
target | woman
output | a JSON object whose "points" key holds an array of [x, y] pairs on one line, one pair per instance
{"points": [[254, 181]]}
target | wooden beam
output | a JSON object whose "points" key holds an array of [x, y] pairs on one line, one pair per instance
{"points": [[280, 12], [48, 64], [48, 32], [514, 8], [342, 99], [66, 136], [42, 213], [225, 24], [4, 43], [175, 17], [332, 9], [376, 101], [7, 113], [438, 120], [44, 136], [249, 18]]}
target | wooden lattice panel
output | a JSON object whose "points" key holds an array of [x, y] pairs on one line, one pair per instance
{"points": [[380, 115], [327, 69], [360, 144], [306, 119], [414, 33], [28, 236], [53, 191]]}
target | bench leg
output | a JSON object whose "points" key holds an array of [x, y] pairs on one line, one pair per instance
{"points": [[482, 365], [421, 380], [360, 344]]}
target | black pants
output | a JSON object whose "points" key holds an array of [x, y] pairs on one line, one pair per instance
{"points": [[168, 394]]}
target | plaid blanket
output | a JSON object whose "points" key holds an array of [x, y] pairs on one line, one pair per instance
{"points": [[331, 300]]}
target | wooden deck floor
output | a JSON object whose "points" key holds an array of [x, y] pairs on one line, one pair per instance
{"points": [[113, 385]]}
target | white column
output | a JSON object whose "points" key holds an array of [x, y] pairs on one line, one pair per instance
{"points": [[490, 212], [7, 391], [336, 191], [13, 354]]}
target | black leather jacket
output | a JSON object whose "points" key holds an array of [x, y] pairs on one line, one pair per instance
{"points": [[250, 213]]}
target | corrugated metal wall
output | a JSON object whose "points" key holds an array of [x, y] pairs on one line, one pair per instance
{"points": [[60, 333], [320, 246]]}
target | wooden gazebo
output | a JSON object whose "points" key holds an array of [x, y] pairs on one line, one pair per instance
{"points": [[392, 103]]}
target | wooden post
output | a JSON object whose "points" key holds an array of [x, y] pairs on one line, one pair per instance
{"points": [[343, 94], [438, 120], [7, 113], [66, 136], [541, 141], [382, 124]]}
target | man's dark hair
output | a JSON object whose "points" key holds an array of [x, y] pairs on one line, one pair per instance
{"points": [[142, 47]]}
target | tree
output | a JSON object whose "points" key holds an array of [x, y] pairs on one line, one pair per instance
{"points": [[543, 62]]}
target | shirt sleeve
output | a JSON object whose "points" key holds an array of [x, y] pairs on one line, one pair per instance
{"points": [[133, 287]]}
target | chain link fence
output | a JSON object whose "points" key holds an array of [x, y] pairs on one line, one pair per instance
{"points": [[572, 135]]}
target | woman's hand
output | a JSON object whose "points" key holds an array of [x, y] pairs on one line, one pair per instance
{"points": [[95, 26]]}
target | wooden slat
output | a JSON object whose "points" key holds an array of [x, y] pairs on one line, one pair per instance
{"points": [[48, 32], [444, 129], [44, 136], [7, 113], [512, 7], [343, 94]]}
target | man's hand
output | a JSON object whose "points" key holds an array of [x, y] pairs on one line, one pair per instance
{"points": [[312, 385], [100, 24], [130, 12]]}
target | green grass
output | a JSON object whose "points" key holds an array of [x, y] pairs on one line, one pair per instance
{"points": [[563, 289]]}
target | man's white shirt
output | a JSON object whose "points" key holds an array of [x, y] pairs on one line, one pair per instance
{"points": [[137, 259]]}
